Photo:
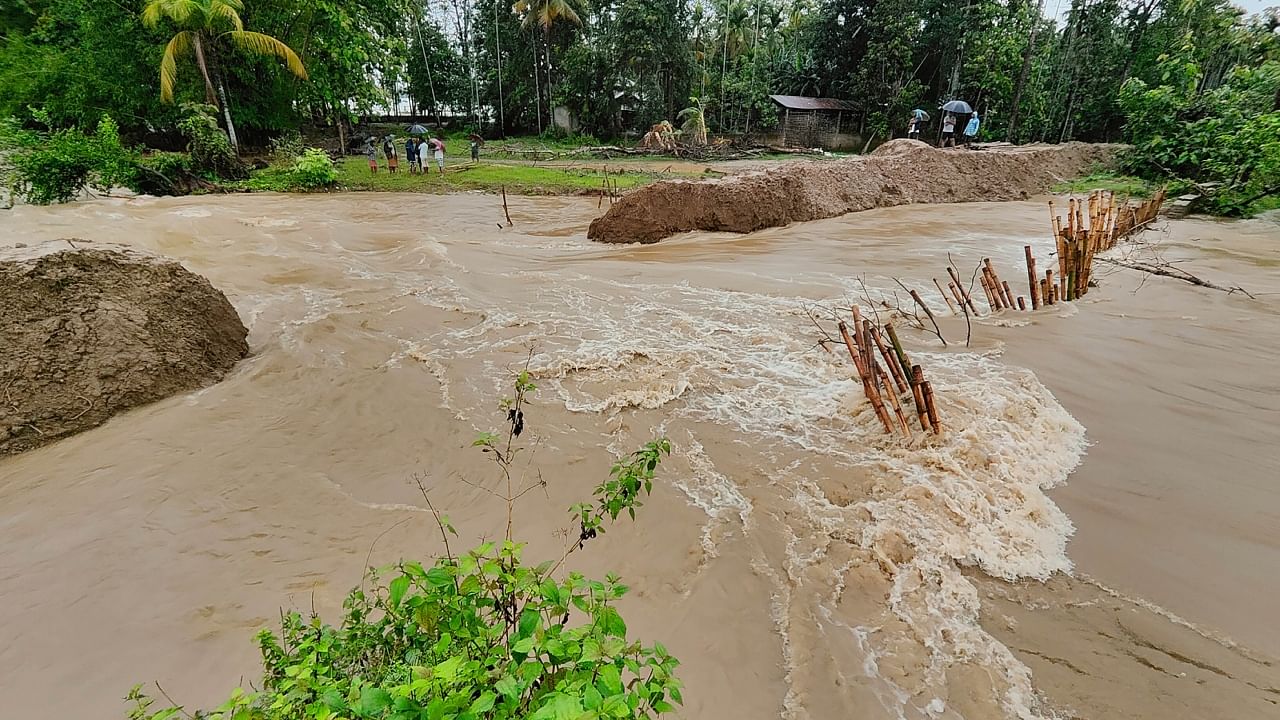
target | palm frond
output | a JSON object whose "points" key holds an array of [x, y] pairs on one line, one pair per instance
{"points": [[183, 13], [180, 44], [261, 44], [225, 10]]}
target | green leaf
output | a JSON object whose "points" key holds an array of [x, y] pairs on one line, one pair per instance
{"points": [[438, 577], [399, 587], [484, 703], [609, 680], [612, 622], [592, 698], [508, 686], [523, 646], [373, 701], [447, 671]]}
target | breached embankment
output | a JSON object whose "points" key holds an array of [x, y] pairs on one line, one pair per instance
{"points": [[91, 330], [899, 172]]}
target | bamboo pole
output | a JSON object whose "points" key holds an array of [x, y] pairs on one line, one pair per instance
{"points": [[868, 387], [931, 406], [1022, 303], [917, 391], [1033, 281], [893, 401], [890, 359], [945, 299], [1008, 293], [903, 360], [986, 288], [956, 293]]}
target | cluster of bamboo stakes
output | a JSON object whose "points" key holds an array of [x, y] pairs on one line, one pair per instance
{"points": [[888, 390], [1077, 241]]}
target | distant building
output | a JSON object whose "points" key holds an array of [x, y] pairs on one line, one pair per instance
{"points": [[813, 122]]}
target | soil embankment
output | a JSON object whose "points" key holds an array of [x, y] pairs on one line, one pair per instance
{"points": [[897, 173], [90, 331]]}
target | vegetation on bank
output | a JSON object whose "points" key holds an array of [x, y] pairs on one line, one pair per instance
{"points": [[484, 634], [1123, 185], [352, 173]]}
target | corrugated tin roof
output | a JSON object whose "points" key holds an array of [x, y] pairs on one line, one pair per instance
{"points": [[796, 102]]}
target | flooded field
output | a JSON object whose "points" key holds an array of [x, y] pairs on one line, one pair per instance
{"points": [[1094, 536]]}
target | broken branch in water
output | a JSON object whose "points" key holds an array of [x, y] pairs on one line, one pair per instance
{"points": [[1167, 269], [915, 296]]}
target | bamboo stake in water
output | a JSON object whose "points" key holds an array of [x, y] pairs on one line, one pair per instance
{"points": [[945, 299], [868, 388], [1033, 281], [927, 388], [917, 391], [890, 359], [897, 347], [963, 292], [959, 299], [893, 401]]}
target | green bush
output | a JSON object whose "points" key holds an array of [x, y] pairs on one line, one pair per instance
{"points": [[211, 152], [46, 167], [286, 148], [314, 170], [478, 635]]}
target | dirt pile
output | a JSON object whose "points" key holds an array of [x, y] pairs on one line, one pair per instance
{"points": [[87, 331], [897, 173]]}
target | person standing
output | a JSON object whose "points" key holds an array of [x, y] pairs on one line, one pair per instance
{"points": [[476, 142], [424, 155], [913, 127], [389, 149], [949, 130], [411, 156], [971, 129], [437, 145], [371, 152]]}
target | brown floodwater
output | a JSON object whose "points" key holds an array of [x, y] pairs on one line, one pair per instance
{"points": [[1096, 534]]}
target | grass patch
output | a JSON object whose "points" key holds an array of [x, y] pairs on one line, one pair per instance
{"points": [[353, 174], [1119, 184]]}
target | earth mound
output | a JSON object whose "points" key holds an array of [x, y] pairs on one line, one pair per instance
{"points": [[89, 331], [897, 173]]}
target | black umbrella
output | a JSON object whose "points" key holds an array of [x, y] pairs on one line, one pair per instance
{"points": [[419, 130], [958, 107]]}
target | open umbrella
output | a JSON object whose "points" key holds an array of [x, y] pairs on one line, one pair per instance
{"points": [[416, 130], [920, 114], [959, 107]]}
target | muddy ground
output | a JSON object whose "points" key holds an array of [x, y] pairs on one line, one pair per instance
{"points": [[89, 330], [897, 173]]}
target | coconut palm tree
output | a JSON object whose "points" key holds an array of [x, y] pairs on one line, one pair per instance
{"points": [[695, 123], [545, 14], [203, 26]]}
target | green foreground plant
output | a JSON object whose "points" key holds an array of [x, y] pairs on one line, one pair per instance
{"points": [[475, 635], [45, 167]]}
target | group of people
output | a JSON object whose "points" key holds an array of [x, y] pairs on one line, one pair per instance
{"points": [[417, 152], [915, 128]]}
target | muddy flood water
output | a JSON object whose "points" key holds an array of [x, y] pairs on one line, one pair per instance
{"points": [[1096, 535]]}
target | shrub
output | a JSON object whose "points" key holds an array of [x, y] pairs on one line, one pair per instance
{"points": [[210, 149], [286, 148], [45, 167], [478, 635], [314, 169]]}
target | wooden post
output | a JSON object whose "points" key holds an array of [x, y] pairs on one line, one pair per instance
{"points": [[893, 400], [1008, 293], [927, 388], [504, 206], [945, 299], [959, 299], [1033, 280], [897, 347], [1049, 286], [917, 391], [864, 373], [1022, 303], [986, 287], [890, 359]]}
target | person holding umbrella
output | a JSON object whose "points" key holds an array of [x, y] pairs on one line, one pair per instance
{"points": [[413, 147], [952, 108], [914, 126], [411, 156], [476, 141]]}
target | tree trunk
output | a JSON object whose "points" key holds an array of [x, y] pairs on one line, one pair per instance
{"points": [[226, 114], [435, 107], [497, 42], [209, 96], [1026, 70], [551, 102], [724, 62], [537, 85]]}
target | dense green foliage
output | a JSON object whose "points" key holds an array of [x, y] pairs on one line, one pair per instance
{"points": [[1100, 70], [477, 635], [48, 166], [314, 169]]}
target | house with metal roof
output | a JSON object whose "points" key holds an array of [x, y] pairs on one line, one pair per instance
{"points": [[812, 122]]}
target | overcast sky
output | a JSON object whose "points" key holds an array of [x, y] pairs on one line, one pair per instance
{"points": [[1059, 8]]}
